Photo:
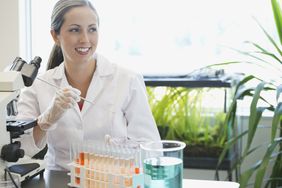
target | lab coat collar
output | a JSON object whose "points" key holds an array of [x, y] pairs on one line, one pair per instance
{"points": [[104, 67]]}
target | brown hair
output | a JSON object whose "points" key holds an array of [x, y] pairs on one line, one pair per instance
{"points": [[57, 20]]}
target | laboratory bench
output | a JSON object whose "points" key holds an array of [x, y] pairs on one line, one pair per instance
{"points": [[60, 179]]}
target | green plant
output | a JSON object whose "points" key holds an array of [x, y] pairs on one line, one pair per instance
{"points": [[180, 115], [256, 86]]}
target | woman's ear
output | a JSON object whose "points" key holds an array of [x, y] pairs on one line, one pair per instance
{"points": [[55, 37]]}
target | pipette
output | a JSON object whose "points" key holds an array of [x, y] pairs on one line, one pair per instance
{"points": [[82, 98]]}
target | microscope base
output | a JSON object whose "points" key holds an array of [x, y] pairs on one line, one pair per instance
{"points": [[26, 171]]}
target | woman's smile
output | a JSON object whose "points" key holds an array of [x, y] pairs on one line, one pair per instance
{"points": [[83, 50]]}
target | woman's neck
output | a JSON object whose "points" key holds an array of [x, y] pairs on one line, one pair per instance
{"points": [[80, 76]]}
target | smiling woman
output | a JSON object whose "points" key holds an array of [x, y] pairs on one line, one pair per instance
{"points": [[119, 111], [164, 37]]}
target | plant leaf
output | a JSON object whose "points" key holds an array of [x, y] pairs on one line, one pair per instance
{"points": [[259, 165], [228, 146], [277, 11], [276, 120], [245, 176], [270, 39], [255, 115], [263, 51], [279, 90], [264, 163]]}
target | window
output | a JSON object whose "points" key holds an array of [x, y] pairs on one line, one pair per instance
{"points": [[164, 36]]}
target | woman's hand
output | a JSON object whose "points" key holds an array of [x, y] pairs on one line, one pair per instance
{"points": [[64, 99]]}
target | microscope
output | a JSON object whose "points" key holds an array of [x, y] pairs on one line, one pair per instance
{"points": [[13, 158]]}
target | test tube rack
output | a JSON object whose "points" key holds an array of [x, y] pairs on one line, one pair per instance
{"points": [[105, 166]]}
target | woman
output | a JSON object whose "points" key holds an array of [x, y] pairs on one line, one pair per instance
{"points": [[118, 110]]}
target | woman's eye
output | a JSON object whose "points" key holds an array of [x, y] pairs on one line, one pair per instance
{"points": [[74, 30], [93, 29]]}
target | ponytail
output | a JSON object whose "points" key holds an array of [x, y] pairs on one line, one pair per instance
{"points": [[55, 58]]}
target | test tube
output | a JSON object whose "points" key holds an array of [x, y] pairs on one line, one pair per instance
{"points": [[110, 179], [77, 180], [75, 158], [107, 185], [137, 161], [107, 170], [115, 168], [87, 183], [86, 156], [114, 179], [81, 158], [92, 183], [108, 163], [90, 173], [123, 161], [130, 161], [128, 181]]}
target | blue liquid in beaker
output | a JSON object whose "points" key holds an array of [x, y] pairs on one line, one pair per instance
{"points": [[163, 172]]}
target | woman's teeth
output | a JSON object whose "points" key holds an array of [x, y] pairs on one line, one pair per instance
{"points": [[82, 49]]}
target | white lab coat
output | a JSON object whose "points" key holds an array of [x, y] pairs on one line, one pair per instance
{"points": [[120, 110]]}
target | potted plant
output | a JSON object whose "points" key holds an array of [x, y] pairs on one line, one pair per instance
{"points": [[270, 60], [180, 115]]}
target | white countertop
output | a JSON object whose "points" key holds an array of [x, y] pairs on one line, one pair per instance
{"points": [[189, 183]]}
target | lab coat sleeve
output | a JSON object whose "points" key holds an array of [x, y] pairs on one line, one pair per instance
{"points": [[28, 109], [141, 126]]}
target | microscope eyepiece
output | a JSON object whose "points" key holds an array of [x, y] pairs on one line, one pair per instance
{"points": [[36, 61], [17, 64], [28, 70]]}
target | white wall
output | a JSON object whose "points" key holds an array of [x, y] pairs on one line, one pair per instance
{"points": [[9, 32]]}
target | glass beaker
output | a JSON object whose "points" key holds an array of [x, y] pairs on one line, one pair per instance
{"points": [[163, 163]]}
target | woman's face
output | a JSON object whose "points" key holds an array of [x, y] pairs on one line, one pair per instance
{"points": [[78, 36]]}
